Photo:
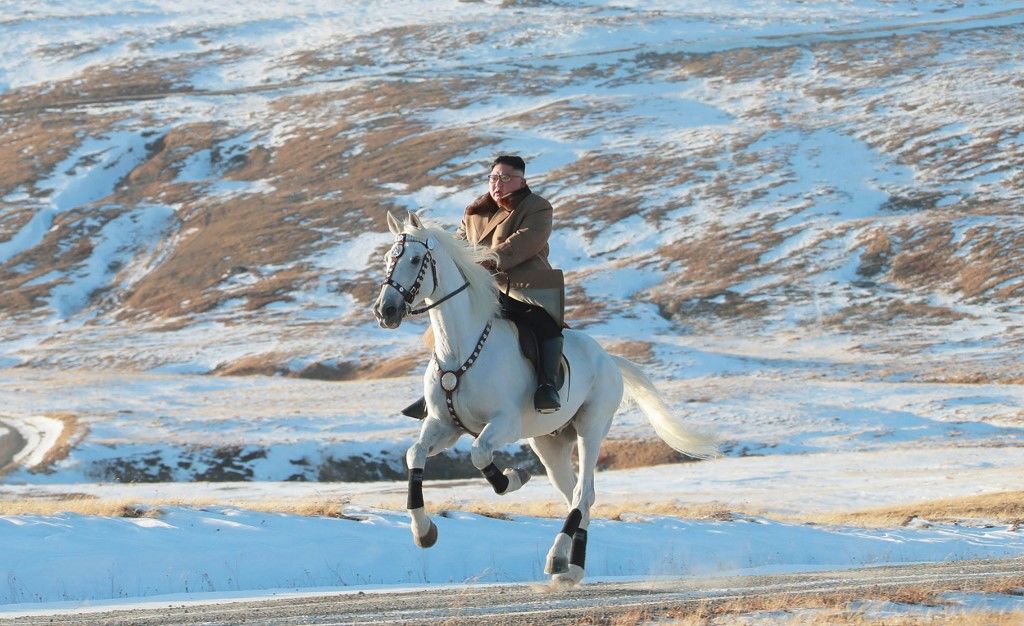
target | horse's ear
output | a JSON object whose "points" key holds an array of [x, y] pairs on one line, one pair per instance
{"points": [[393, 224], [414, 220]]}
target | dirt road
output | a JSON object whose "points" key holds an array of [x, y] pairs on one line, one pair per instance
{"points": [[11, 443], [539, 604]]}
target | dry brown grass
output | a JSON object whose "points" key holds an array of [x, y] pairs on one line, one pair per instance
{"points": [[636, 351], [1005, 507], [837, 608], [391, 368], [71, 434], [990, 248], [316, 188], [628, 453], [947, 617], [948, 376], [91, 505], [553, 509], [80, 504], [274, 364], [1002, 508], [83, 505], [266, 364], [351, 138], [862, 317]]}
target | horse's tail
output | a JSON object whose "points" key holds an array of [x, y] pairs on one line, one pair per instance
{"points": [[669, 427]]}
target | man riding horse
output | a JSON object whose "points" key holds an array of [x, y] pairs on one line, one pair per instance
{"points": [[515, 223]]}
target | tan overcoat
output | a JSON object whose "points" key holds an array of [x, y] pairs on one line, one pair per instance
{"points": [[520, 239]]}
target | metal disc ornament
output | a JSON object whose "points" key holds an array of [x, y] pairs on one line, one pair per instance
{"points": [[449, 381]]}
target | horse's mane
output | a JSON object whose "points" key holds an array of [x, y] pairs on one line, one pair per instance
{"points": [[483, 290]]}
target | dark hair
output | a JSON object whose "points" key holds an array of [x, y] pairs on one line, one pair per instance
{"points": [[511, 160]]}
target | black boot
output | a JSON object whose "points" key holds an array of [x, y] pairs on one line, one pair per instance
{"points": [[546, 399], [417, 409]]}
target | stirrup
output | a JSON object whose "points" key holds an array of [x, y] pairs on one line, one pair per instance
{"points": [[416, 410], [546, 399]]}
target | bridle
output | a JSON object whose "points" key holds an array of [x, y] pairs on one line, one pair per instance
{"points": [[409, 295], [449, 379]]}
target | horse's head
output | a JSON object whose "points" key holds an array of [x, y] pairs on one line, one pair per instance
{"points": [[411, 273]]}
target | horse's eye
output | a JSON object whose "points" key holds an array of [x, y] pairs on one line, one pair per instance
{"points": [[415, 260]]}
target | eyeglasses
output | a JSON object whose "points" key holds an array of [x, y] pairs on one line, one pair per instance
{"points": [[502, 177]]}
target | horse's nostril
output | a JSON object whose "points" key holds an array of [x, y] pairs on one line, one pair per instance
{"points": [[390, 310]]}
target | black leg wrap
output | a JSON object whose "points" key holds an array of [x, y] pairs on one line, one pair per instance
{"points": [[415, 489], [572, 522], [497, 479], [578, 555]]}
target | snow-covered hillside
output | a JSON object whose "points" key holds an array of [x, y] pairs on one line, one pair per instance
{"points": [[186, 189]]}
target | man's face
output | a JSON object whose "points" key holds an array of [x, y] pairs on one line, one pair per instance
{"points": [[500, 188]]}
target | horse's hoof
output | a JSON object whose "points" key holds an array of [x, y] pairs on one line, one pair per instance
{"points": [[428, 539], [517, 477], [569, 578], [524, 476], [556, 565]]}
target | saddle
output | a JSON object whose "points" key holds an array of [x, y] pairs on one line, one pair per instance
{"points": [[529, 345]]}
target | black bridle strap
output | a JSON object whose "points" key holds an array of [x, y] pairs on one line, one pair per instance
{"points": [[430, 306], [409, 295]]}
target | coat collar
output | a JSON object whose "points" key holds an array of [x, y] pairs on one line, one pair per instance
{"points": [[488, 209], [485, 204]]}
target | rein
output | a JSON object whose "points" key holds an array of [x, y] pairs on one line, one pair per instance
{"points": [[409, 295]]}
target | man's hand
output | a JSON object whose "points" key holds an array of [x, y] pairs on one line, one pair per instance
{"points": [[490, 265]]}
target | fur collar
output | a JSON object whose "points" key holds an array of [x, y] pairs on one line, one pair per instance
{"points": [[485, 204]]}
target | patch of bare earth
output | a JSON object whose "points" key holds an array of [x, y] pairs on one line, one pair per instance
{"points": [[313, 188], [863, 317], [637, 351], [317, 188], [341, 150], [630, 453], [83, 505], [995, 508], [273, 364], [834, 609], [71, 434], [100, 84]]}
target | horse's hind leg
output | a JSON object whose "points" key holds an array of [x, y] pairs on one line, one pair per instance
{"points": [[435, 436], [555, 452]]}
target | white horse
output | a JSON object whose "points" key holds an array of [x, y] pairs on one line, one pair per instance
{"points": [[479, 383]]}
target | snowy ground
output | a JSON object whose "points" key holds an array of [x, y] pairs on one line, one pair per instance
{"points": [[218, 549], [821, 456]]}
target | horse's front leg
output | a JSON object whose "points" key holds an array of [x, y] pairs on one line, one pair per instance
{"points": [[435, 436], [502, 430]]}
